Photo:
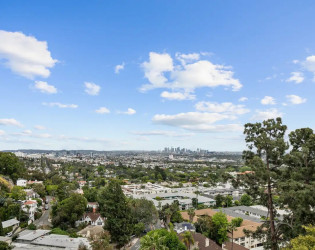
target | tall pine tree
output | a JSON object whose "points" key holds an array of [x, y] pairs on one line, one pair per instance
{"points": [[114, 207], [297, 187], [267, 147]]}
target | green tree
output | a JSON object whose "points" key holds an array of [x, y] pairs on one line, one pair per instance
{"points": [[299, 182], [194, 202], [204, 224], [303, 242], [11, 166], [267, 147], [143, 211], [237, 221], [18, 193], [90, 194], [40, 189], [219, 199], [139, 229], [246, 200], [218, 230], [68, 211], [4, 246], [115, 208], [161, 239], [1, 229], [188, 239], [191, 214], [228, 200]]}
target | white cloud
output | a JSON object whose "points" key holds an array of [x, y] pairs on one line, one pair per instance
{"points": [[197, 121], [268, 100], [225, 107], [188, 77], [243, 99], [102, 110], [162, 133], [2, 133], [60, 105], [309, 63], [119, 67], [296, 77], [155, 68], [185, 58], [295, 99], [177, 96], [92, 88], [44, 87], [129, 111], [266, 114], [25, 55], [10, 122], [39, 127]]}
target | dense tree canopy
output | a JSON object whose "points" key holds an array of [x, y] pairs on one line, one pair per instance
{"points": [[161, 239], [11, 166], [68, 211]]}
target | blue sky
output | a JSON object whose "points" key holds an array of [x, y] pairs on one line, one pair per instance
{"points": [[110, 75]]}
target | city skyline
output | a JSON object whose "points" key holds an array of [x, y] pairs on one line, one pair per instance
{"points": [[148, 75]]}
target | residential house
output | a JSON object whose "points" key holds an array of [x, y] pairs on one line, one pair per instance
{"points": [[93, 219], [21, 182], [201, 242], [184, 226], [30, 207], [239, 237]]}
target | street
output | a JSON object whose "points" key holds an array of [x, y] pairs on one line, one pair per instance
{"points": [[43, 220]]}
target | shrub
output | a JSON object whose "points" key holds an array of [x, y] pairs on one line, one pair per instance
{"points": [[31, 226], [58, 230]]}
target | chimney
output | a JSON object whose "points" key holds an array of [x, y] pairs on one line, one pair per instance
{"points": [[207, 242], [94, 209]]}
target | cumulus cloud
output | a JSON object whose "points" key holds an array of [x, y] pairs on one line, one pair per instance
{"points": [[60, 105], [92, 88], [44, 87], [25, 55], [197, 121], [186, 58], [296, 77], [295, 99], [39, 127], [129, 111], [268, 100], [225, 107], [309, 64], [192, 73], [243, 99], [177, 96], [119, 67], [10, 122], [261, 115], [102, 110]]}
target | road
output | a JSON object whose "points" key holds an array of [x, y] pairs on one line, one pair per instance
{"points": [[43, 220]]}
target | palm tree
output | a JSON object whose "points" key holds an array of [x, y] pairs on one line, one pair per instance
{"points": [[191, 213], [168, 214], [188, 239], [153, 242], [231, 228]]}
